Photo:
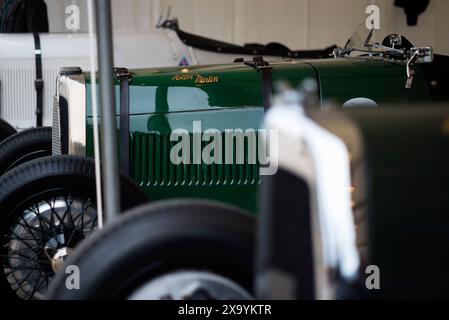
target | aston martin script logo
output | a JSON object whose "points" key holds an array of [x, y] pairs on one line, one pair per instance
{"points": [[199, 79]]}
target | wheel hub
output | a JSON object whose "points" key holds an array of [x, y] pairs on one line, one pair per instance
{"points": [[190, 285], [58, 259], [42, 238]]}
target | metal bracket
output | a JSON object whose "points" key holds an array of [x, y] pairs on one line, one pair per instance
{"points": [[259, 64], [417, 55], [122, 72], [265, 70], [124, 77]]}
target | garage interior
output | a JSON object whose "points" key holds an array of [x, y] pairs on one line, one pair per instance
{"points": [[224, 150], [317, 23]]}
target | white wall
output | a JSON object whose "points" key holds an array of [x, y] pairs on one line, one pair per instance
{"points": [[300, 24]]}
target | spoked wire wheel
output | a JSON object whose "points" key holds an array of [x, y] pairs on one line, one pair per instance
{"points": [[41, 237], [47, 207]]}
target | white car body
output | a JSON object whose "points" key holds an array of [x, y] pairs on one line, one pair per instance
{"points": [[157, 48]]}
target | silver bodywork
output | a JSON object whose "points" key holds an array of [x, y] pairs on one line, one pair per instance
{"points": [[72, 89], [321, 158]]}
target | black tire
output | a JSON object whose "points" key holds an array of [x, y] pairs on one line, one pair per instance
{"points": [[157, 239], [23, 147], [6, 130], [32, 190]]}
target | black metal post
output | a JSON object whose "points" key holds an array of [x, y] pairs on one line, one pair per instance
{"points": [[111, 179]]}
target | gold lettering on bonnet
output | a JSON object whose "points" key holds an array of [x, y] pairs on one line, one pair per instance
{"points": [[203, 80], [198, 78], [182, 77]]}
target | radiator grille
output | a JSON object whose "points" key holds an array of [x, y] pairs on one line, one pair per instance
{"points": [[151, 166], [18, 94], [56, 127]]}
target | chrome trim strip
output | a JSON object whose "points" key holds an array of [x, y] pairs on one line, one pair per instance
{"points": [[73, 89], [322, 158]]}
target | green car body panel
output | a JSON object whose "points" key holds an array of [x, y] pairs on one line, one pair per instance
{"points": [[407, 157], [230, 97], [378, 80]]}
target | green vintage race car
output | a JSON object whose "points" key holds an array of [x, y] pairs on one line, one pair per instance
{"points": [[346, 216], [218, 97], [48, 205]]}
